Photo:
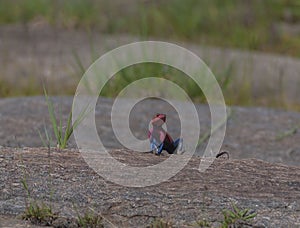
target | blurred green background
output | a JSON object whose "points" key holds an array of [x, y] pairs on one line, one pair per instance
{"points": [[254, 25], [263, 26]]}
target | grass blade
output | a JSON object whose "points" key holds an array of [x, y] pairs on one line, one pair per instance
{"points": [[251, 216], [52, 117], [48, 138], [68, 131], [42, 138], [61, 143]]}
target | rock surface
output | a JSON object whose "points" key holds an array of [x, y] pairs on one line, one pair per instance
{"points": [[253, 134], [67, 183], [267, 134]]}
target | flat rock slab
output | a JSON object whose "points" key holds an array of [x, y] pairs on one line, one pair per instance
{"points": [[261, 133], [66, 182]]}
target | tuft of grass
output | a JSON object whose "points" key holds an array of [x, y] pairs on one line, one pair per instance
{"points": [[237, 216], [202, 223], [160, 223], [145, 70], [62, 136], [39, 213], [287, 133], [90, 220]]}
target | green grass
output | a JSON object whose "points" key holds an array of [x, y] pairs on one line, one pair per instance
{"points": [[232, 23], [39, 213], [234, 217], [90, 219], [46, 140], [237, 217], [62, 133], [145, 70], [287, 133], [36, 212], [202, 223]]}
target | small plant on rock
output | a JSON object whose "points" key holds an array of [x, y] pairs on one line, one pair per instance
{"points": [[202, 223], [237, 217], [37, 213], [62, 135], [90, 220]]}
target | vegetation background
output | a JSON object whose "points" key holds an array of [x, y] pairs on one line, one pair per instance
{"points": [[269, 26]]}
